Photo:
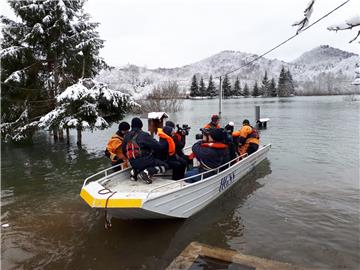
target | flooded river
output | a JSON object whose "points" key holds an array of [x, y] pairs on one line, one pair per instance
{"points": [[301, 205]]}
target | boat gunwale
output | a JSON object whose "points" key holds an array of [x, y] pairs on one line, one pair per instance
{"points": [[203, 179]]}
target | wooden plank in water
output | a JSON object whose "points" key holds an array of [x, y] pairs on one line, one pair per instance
{"points": [[201, 253]]}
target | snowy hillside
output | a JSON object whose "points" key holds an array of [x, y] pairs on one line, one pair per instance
{"points": [[323, 70]]}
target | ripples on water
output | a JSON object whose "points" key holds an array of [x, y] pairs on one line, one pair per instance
{"points": [[301, 205]]}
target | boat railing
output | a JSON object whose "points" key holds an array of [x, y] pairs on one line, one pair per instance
{"points": [[108, 171], [104, 173], [201, 176]]}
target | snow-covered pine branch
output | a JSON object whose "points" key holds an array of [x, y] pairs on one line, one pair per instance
{"points": [[347, 25], [307, 14], [87, 104]]}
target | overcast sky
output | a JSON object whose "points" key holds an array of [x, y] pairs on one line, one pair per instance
{"points": [[172, 33]]}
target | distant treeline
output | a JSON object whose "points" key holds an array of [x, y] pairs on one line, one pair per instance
{"points": [[285, 87]]}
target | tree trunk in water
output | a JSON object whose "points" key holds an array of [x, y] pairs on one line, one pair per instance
{"points": [[61, 135], [55, 134], [68, 136], [78, 137]]}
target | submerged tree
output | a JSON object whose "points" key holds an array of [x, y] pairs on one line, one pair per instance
{"points": [[164, 98], [50, 48]]}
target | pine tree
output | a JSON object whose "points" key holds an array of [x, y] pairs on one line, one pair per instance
{"points": [[194, 88], [246, 90], [237, 88], [202, 88], [52, 46], [264, 90], [226, 87], [290, 83], [211, 89], [283, 86], [255, 90], [272, 88]]}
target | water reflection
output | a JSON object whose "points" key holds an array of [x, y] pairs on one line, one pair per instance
{"points": [[217, 222]]}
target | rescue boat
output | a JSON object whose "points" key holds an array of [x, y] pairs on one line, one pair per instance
{"points": [[123, 198]]}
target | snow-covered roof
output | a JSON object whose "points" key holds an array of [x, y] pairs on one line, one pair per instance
{"points": [[157, 115]]}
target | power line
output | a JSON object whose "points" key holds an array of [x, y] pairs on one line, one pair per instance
{"points": [[282, 43]]}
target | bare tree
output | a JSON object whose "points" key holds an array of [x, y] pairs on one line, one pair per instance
{"points": [[166, 97]]}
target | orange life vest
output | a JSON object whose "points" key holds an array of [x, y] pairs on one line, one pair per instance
{"points": [[169, 140], [215, 145], [250, 134], [114, 147]]}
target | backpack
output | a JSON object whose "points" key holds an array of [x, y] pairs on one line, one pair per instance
{"points": [[132, 147]]}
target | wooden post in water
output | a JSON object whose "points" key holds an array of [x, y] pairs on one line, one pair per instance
{"points": [[260, 122], [257, 114]]}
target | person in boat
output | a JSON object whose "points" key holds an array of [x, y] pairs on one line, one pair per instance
{"points": [[211, 152], [114, 146], [139, 147], [248, 138], [168, 152], [229, 129], [215, 122], [179, 138]]}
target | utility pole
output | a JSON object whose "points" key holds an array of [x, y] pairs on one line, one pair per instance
{"points": [[220, 98]]}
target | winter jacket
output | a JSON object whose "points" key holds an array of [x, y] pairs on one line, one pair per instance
{"points": [[147, 144], [209, 155]]}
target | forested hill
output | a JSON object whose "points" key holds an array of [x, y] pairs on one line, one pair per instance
{"points": [[323, 70]]}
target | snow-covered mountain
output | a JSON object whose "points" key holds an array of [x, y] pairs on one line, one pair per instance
{"points": [[323, 70]]}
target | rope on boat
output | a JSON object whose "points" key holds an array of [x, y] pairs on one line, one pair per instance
{"points": [[105, 191]]}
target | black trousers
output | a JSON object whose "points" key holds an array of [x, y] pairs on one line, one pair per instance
{"points": [[178, 165], [153, 165], [253, 147]]}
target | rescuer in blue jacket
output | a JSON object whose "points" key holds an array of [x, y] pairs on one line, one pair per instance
{"points": [[139, 147], [211, 152]]}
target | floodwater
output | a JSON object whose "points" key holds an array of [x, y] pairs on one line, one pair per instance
{"points": [[301, 205]]}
